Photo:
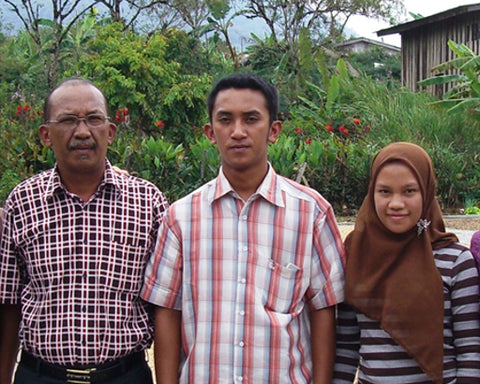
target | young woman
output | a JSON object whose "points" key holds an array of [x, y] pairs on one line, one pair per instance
{"points": [[411, 313]]}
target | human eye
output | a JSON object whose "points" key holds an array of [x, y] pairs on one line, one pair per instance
{"points": [[383, 191], [68, 121], [223, 120], [411, 191], [95, 120]]}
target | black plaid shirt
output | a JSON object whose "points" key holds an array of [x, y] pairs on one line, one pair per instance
{"points": [[77, 267]]}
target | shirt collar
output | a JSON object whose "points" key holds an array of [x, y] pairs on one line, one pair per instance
{"points": [[55, 184], [269, 189]]}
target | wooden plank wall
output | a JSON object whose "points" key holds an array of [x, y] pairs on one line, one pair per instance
{"points": [[427, 47]]}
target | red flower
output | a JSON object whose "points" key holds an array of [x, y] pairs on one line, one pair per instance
{"points": [[160, 124], [329, 128], [356, 121], [31, 116], [125, 111], [308, 141], [26, 107], [298, 131], [367, 128], [341, 128], [345, 131]]}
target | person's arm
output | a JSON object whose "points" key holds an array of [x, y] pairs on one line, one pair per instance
{"points": [[323, 344], [465, 319], [9, 323], [167, 345], [347, 355]]}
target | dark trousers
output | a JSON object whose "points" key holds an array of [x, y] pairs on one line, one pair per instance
{"points": [[138, 374]]}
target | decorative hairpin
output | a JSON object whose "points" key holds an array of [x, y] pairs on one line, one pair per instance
{"points": [[422, 225]]}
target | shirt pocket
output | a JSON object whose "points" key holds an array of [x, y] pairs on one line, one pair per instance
{"points": [[282, 286]]}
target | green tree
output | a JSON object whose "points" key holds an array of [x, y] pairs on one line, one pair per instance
{"points": [[128, 11], [137, 77], [287, 19], [48, 34]]}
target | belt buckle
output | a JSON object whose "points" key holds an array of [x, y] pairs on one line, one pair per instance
{"points": [[80, 376]]}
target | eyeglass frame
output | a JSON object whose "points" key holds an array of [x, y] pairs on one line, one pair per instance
{"points": [[79, 119]]}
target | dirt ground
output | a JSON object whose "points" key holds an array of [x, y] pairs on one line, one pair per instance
{"points": [[465, 222]]}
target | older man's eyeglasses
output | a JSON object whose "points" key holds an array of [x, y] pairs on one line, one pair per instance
{"points": [[72, 121]]}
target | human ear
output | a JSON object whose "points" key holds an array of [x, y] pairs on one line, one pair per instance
{"points": [[208, 130], [44, 133], [112, 132], [275, 130]]}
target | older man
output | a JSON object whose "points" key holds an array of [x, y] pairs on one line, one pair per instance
{"points": [[73, 249]]}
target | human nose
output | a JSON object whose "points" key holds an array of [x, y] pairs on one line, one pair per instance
{"points": [[396, 202], [82, 128], [238, 130]]}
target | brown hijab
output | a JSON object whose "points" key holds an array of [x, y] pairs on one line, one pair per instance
{"points": [[392, 278]]}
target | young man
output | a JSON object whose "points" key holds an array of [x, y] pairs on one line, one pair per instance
{"points": [[248, 268], [73, 250]]}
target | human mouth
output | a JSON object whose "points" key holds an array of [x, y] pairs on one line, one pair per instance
{"points": [[397, 217], [239, 148]]}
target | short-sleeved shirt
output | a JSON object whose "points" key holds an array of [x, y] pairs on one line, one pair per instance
{"points": [[245, 276], [77, 267]]}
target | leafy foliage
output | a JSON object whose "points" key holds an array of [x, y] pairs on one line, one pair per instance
{"points": [[134, 73], [464, 93], [334, 119]]}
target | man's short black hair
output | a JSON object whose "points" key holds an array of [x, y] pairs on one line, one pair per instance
{"points": [[246, 81]]}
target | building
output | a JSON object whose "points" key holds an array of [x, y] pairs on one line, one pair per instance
{"points": [[424, 42], [363, 44]]}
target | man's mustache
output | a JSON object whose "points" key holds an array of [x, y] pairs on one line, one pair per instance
{"points": [[81, 144]]}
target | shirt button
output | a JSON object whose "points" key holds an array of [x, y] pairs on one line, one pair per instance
{"points": [[241, 344], [242, 313], [244, 217], [240, 378], [243, 281]]}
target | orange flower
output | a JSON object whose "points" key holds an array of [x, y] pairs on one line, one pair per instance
{"points": [[298, 131], [160, 124], [356, 121], [329, 128]]}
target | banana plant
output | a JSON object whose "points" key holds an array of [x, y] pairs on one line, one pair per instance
{"points": [[465, 91]]}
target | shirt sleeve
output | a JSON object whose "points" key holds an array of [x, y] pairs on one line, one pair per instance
{"points": [[163, 274], [10, 282], [465, 318], [348, 345], [328, 263]]}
